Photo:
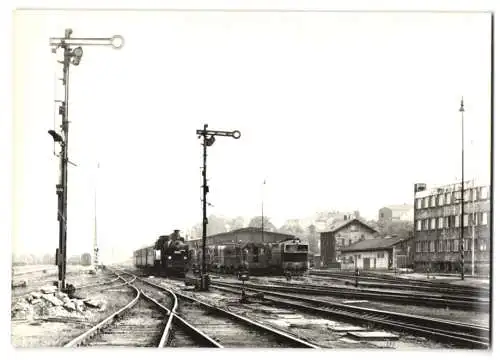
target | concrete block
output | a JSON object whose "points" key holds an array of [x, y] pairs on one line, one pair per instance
{"points": [[347, 328], [49, 289], [372, 335], [61, 296], [69, 306]]}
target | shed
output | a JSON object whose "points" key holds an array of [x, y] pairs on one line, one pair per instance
{"points": [[371, 254]]}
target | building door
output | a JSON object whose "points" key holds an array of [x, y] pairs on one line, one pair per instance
{"points": [[366, 263]]}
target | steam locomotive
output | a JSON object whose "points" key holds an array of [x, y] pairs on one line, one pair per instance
{"points": [[168, 256]]}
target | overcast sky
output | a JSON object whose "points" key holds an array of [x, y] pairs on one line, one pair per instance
{"points": [[336, 110]]}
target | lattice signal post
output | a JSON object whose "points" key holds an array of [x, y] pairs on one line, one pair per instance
{"points": [[208, 140], [71, 56]]}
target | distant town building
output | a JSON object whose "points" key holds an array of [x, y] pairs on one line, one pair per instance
{"points": [[396, 213], [344, 234], [380, 253], [437, 227]]}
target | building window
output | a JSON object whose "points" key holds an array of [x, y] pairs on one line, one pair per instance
{"points": [[433, 200], [446, 224], [484, 192], [448, 245], [466, 195], [482, 245], [431, 246], [448, 198], [426, 202], [457, 220], [456, 245], [466, 219], [419, 203], [417, 247], [354, 228], [419, 225], [440, 223], [484, 219], [424, 224], [440, 199], [474, 194], [436, 245], [380, 255], [433, 223]]}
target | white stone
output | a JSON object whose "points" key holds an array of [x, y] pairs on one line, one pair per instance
{"points": [[36, 294], [70, 306], [49, 289], [52, 299]]}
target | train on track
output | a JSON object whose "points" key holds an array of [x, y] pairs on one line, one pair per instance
{"points": [[277, 258], [172, 255], [168, 256]]}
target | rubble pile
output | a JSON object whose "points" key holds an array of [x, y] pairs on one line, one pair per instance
{"points": [[50, 303]]}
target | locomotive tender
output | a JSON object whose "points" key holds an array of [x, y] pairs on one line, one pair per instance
{"points": [[169, 256]]}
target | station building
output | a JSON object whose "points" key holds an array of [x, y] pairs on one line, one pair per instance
{"points": [[381, 253], [437, 227], [344, 234]]}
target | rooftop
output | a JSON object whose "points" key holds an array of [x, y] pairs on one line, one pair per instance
{"points": [[246, 230], [344, 223], [374, 244]]}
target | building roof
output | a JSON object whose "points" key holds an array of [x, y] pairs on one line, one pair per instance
{"points": [[373, 244], [245, 230], [439, 189], [343, 224]]}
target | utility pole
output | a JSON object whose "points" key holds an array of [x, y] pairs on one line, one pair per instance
{"points": [[70, 56], [96, 248], [462, 209], [208, 140], [473, 224], [262, 209]]}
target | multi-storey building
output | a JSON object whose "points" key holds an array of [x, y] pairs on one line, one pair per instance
{"points": [[438, 228]]}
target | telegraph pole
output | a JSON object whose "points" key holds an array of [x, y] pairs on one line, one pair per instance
{"points": [[208, 140], [262, 210], [70, 56], [462, 240], [96, 248]]}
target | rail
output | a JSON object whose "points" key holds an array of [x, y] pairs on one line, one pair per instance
{"points": [[89, 333]]}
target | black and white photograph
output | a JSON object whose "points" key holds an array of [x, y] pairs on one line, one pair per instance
{"points": [[256, 178]]}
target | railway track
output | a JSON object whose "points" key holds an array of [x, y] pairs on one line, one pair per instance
{"points": [[435, 300], [461, 334], [139, 323], [387, 281], [199, 321]]}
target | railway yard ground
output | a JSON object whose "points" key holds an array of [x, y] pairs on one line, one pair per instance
{"points": [[276, 312]]}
